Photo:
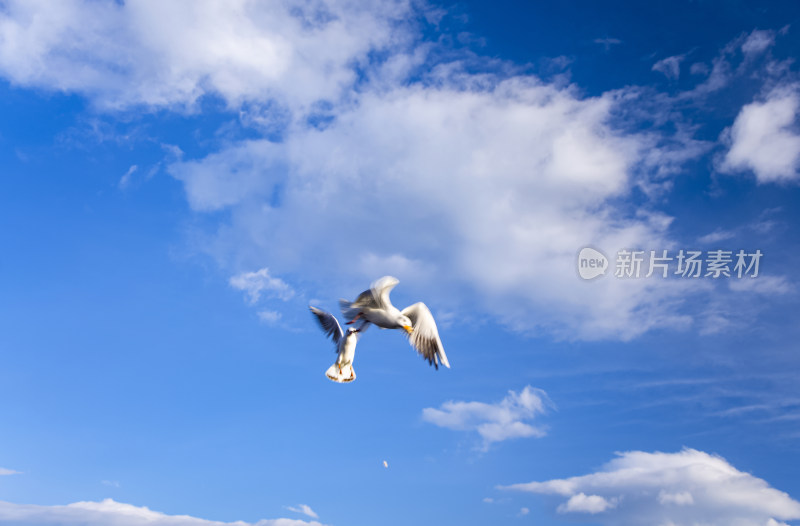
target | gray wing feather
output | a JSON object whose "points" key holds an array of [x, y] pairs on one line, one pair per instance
{"points": [[375, 297], [381, 288], [425, 336], [329, 324], [349, 310]]}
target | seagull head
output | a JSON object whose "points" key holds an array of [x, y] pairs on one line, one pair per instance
{"points": [[406, 324]]}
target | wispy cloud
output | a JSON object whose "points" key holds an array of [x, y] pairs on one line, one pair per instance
{"points": [[125, 180], [764, 224], [269, 316], [607, 42], [254, 284], [670, 66], [5, 471], [738, 59], [716, 236], [504, 420], [771, 285], [680, 489], [757, 42], [305, 509], [109, 512]]}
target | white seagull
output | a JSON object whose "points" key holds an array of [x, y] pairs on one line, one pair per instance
{"points": [[373, 305], [342, 370]]}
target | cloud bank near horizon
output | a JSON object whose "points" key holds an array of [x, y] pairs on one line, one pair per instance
{"points": [[679, 489], [112, 513]]}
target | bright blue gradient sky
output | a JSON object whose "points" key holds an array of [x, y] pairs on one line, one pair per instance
{"points": [[180, 181]]}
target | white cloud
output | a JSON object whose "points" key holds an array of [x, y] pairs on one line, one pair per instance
{"points": [[503, 420], [684, 498], [170, 54], [112, 513], [670, 66], [523, 512], [682, 489], [516, 175], [757, 42], [582, 503], [5, 471], [249, 170], [305, 509], [260, 281], [764, 138]]}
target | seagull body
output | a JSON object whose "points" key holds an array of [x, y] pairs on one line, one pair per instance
{"points": [[374, 306], [342, 370]]}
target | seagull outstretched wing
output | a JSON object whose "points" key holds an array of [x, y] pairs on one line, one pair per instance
{"points": [[425, 336], [377, 295], [381, 288], [329, 324]]}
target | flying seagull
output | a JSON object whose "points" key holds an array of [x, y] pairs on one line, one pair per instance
{"points": [[373, 305], [342, 370]]}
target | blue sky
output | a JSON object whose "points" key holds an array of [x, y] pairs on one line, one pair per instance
{"points": [[180, 181]]}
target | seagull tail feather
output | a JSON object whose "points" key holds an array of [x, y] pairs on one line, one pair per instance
{"points": [[346, 375], [348, 311]]}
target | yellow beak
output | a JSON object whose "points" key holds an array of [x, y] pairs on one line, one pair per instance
{"points": [[408, 329]]}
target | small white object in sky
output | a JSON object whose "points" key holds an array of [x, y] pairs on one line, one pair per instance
{"points": [[342, 370], [385, 464], [374, 306]]}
